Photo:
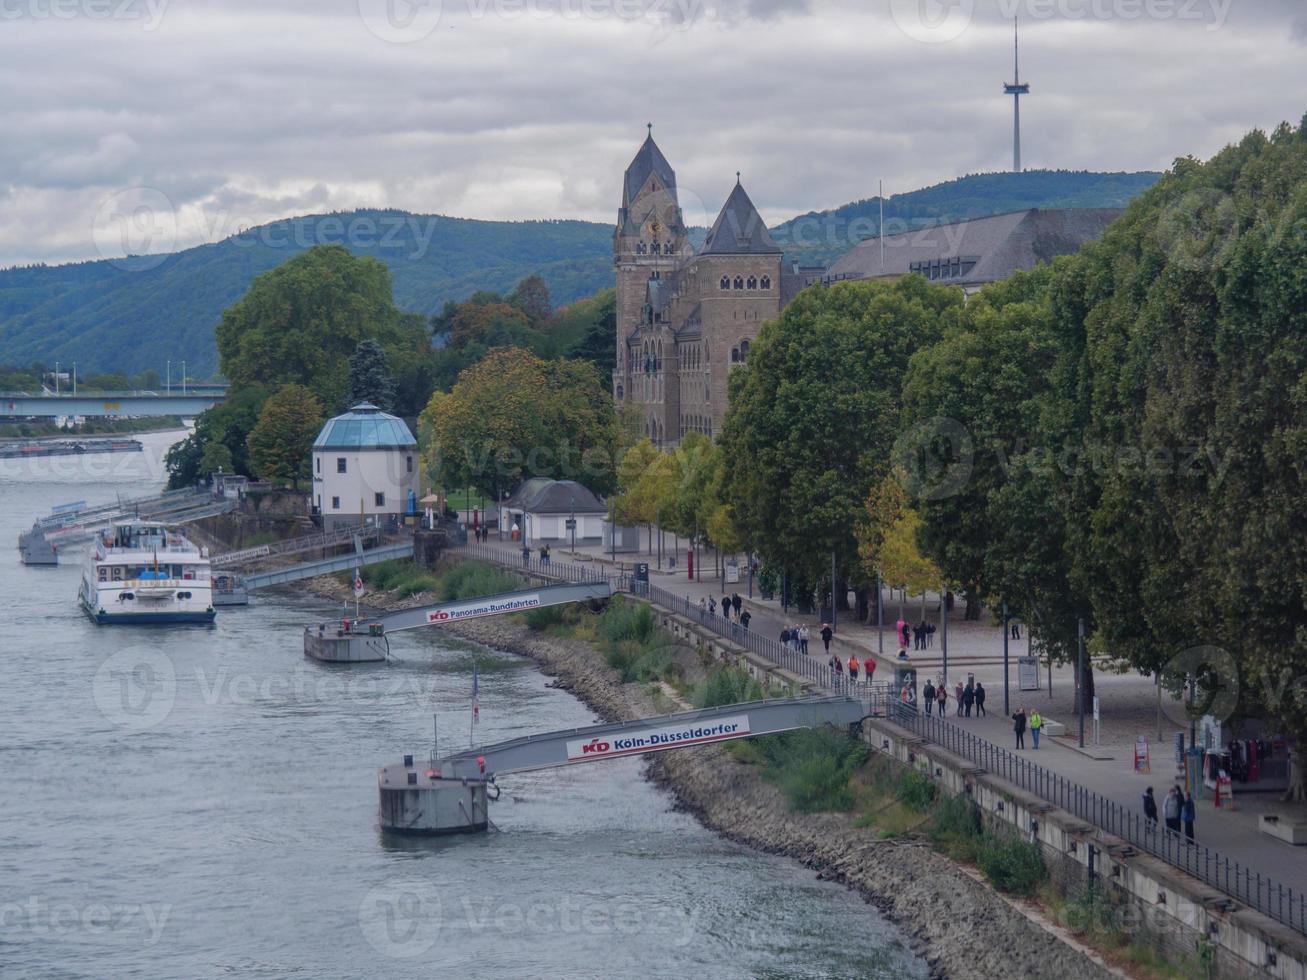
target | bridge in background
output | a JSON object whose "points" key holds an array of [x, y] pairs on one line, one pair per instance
{"points": [[22, 404]]}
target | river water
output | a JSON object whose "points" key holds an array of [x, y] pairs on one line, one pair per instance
{"points": [[201, 802]]}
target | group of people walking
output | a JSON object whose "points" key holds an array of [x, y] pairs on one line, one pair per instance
{"points": [[867, 668], [967, 698], [920, 635], [1178, 809], [730, 603]]}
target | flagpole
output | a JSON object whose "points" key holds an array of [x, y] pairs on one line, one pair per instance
{"points": [[476, 707]]}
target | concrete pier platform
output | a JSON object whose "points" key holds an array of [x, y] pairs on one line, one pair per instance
{"points": [[335, 646], [416, 800]]}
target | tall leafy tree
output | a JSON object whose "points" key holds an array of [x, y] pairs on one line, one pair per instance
{"points": [[281, 444], [299, 323], [513, 416], [814, 416]]}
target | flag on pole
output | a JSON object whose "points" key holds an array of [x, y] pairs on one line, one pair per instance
{"points": [[476, 696], [358, 583]]}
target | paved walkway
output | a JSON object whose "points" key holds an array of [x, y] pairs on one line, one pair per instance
{"points": [[1129, 708]]}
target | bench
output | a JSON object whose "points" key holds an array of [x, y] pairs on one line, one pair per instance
{"points": [[1291, 830]]}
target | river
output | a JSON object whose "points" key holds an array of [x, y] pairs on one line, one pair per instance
{"points": [[201, 802]]}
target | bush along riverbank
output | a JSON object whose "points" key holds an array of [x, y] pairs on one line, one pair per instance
{"points": [[816, 796]]}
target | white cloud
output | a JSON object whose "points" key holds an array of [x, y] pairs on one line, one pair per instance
{"points": [[242, 112]]}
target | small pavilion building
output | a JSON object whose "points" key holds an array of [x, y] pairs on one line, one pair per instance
{"points": [[365, 469]]}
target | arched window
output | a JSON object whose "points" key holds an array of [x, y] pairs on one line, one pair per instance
{"points": [[744, 350], [707, 393], [739, 282], [640, 249], [735, 355], [726, 282], [766, 282], [621, 393], [753, 282]]}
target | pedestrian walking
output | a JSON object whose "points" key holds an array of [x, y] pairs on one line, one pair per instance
{"points": [[853, 667], [738, 603], [785, 637], [803, 640], [1036, 726], [1016, 630], [928, 695], [941, 699], [980, 700], [968, 699], [1150, 805], [744, 618], [1019, 727], [1171, 809], [727, 603], [712, 606], [869, 668], [930, 635], [826, 635], [957, 699], [1187, 813], [901, 628]]}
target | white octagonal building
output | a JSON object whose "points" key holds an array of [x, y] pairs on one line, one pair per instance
{"points": [[365, 467]]}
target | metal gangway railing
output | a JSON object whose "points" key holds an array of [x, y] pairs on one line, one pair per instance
{"points": [[1254, 889], [292, 546]]}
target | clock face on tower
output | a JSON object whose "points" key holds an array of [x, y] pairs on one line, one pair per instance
{"points": [[655, 227]]}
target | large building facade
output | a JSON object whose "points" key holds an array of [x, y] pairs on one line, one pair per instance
{"points": [[685, 319]]}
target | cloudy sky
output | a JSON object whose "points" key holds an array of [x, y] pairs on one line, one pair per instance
{"points": [[196, 118]]}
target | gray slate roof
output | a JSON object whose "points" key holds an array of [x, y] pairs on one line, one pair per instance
{"points": [[648, 160], [739, 229], [539, 495], [998, 245]]}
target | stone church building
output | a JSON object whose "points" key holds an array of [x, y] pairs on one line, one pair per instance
{"points": [[685, 320]]}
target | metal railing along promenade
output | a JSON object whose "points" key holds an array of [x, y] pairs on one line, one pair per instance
{"points": [[1256, 890], [810, 667], [1240, 882]]}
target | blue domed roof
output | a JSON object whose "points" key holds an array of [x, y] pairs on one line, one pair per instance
{"points": [[365, 427]]}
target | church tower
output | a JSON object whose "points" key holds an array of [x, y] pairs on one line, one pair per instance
{"points": [[648, 244]]}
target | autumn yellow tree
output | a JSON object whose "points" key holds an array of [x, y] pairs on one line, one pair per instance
{"points": [[887, 540]]}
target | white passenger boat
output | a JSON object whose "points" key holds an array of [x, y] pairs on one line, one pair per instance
{"points": [[142, 572]]}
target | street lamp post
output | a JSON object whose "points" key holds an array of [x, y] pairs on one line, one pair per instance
{"points": [[56, 377], [1080, 675], [1007, 707], [943, 617]]}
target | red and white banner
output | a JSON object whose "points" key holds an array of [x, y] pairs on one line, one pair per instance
{"points": [[471, 610], [656, 739]]}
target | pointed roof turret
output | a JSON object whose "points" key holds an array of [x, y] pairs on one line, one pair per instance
{"points": [[648, 160], [739, 229]]}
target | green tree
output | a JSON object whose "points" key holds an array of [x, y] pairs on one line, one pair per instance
{"points": [[216, 458], [513, 416], [370, 379], [229, 424], [299, 322], [814, 416], [281, 445]]}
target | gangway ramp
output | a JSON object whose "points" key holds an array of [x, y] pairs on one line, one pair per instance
{"points": [[326, 566], [450, 795], [364, 640]]}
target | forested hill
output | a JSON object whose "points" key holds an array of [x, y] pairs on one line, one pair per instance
{"points": [[132, 315], [128, 315], [820, 237]]}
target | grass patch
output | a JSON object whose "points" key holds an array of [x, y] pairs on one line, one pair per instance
{"points": [[813, 767], [956, 828], [917, 791], [726, 685], [1012, 865], [402, 577]]}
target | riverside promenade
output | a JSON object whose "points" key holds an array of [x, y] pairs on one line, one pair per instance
{"points": [[1128, 704]]}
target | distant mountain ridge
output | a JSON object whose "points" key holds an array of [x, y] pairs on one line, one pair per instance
{"points": [[133, 314]]}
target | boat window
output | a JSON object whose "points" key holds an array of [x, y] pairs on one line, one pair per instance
{"points": [[104, 573], [183, 595], [117, 573]]}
